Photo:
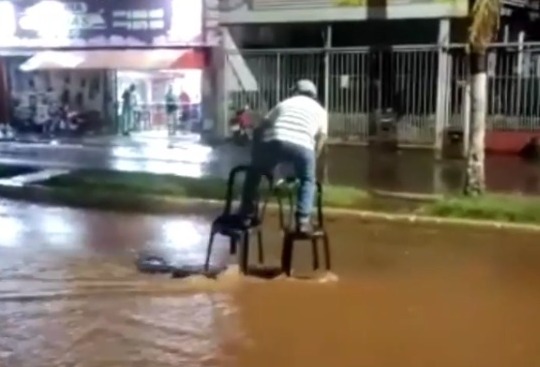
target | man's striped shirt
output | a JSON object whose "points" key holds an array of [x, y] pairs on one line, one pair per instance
{"points": [[297, 120]]}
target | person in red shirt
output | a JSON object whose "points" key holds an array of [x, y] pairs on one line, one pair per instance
{"points": [[241, 123], [184, 98], [244, 118], [185, 108]]}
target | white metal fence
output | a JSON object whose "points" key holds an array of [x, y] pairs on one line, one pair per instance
{"points": [[358, 84]]}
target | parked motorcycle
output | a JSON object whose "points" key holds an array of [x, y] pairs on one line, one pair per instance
{"points": [[241, 126]]}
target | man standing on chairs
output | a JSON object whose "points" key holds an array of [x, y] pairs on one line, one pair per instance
{"points": [[293, 132]]}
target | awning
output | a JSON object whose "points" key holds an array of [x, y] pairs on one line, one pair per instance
{"points": [[116, 59]]}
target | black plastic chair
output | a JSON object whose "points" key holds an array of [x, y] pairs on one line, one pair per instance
{"points": [[286, 189], [236, 227]]}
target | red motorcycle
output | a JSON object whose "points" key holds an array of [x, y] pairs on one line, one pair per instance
{"points": [[241, 127]]}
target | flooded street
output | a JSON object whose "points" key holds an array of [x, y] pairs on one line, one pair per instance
{"points": [[405, 171], [407, 296], [417, 171]]}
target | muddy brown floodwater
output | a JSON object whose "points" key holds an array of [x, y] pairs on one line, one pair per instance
{"points": [[408, 295]]}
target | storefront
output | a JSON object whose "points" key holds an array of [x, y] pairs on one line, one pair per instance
{"points": [[151, 90], [57, 100], [93, 83], [95, 51]]}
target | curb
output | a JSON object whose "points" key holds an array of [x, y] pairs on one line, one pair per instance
{"points": [[118, 201], [115, 201], [407, 196]]}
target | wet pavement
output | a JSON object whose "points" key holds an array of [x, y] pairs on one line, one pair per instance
{"points": [[32, 177], [186, 155], [406, 296]]}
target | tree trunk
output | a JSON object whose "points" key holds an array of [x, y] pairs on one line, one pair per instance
{"points": [[475, 174]]}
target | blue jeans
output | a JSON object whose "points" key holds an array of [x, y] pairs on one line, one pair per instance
{"points": [[265, 157]]}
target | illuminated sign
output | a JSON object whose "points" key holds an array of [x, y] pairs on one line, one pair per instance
{"points": [[38, 17], [525, 4], [95, 23], [8, 22]]}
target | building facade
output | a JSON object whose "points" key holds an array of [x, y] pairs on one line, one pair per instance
{"points": [[404, 56], [84, 61]]}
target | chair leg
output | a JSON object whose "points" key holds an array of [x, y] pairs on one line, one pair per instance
{"points": [[281, 215], [315, 253], [327, 254], [286, 255], [244, 253], [209, 250], [232, 245], [260, 246]]}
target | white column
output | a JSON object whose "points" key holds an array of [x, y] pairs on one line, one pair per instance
{"points": [[443, 85], [327, 46], [466, 117], [327, 71], [230, 73], [522, 71], [278, 78], [214, 94]]}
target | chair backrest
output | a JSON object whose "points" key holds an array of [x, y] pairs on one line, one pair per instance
{"points": [[232, 180]]}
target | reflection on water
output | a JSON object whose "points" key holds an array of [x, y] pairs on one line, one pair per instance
{"points": [[418, 171], [157, 157], [406, 170], [407, 296]]}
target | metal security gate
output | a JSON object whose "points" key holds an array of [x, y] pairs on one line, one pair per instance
{"points": [[274, 75], [366, 83], [360, 83]]}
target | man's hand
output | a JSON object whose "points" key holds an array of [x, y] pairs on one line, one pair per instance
{"points": [[264, 124], [322, 166], [320, 141], [258, 131]]}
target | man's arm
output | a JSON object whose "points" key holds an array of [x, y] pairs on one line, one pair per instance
{"points": [[270, 117], [322, 134], [320, 141], [267, 120], [264, 124]]}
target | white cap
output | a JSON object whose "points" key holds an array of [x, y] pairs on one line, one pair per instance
{"points": [[306, 86]]}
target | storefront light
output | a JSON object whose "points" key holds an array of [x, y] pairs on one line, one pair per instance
{"points": [[8, 23], [52, 60], [49, 18]]}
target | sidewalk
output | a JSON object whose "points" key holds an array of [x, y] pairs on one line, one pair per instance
{"points": [[183, 155], [104, 140], [30, 178]]}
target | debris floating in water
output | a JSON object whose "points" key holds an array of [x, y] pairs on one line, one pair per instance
{"points": [[158, 265], [153, 265]]}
